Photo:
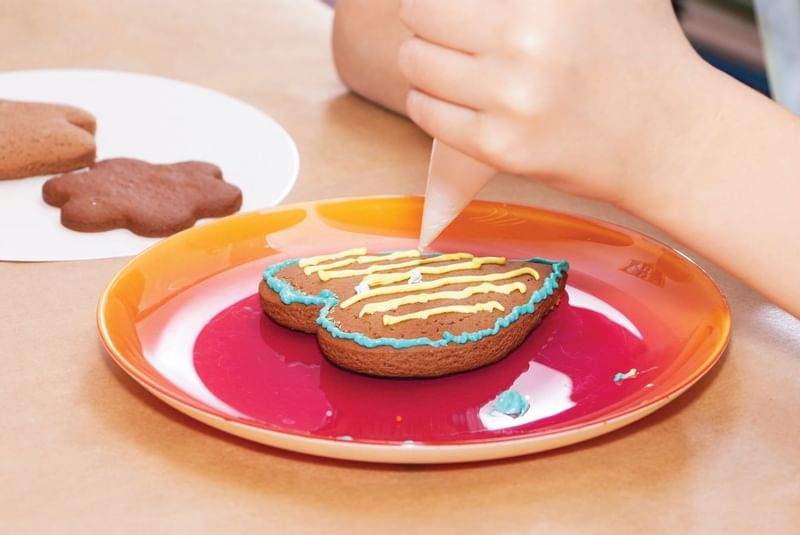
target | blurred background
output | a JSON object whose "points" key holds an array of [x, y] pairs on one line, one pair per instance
{"points": [[726, 35]]}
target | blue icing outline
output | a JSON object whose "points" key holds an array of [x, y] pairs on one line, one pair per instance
{"points": [[291, 295]]}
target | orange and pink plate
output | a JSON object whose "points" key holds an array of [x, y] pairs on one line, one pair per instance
{"points": [[639, 325]]}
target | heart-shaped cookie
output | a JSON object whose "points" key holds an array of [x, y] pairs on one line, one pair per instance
{"points": [[403, 314]]}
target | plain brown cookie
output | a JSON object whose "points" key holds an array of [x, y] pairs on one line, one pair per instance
{"points": [[148, 199], [418, 360], [44, 139]]}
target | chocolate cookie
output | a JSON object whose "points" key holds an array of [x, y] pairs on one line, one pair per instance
{"points": [[403, 314], [43, 139], [148, 199]]}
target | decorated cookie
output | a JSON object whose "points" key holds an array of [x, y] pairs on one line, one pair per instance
{"points": [[148, 199], [43, 139], [404, 314]]}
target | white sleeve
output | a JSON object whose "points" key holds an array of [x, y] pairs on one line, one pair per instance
{"points": [[779, 25]]}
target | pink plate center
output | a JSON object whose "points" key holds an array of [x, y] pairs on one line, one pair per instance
{"points": [[566, 370]]}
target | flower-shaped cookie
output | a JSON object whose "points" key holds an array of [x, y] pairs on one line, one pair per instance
{"points": [[148, 199], [43, 139]]}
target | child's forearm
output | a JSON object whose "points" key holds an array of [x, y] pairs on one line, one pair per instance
{"points": [[366, 37], [727, 184]]}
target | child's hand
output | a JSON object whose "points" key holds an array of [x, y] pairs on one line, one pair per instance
{"points": [[607, 99], [558, 89]]}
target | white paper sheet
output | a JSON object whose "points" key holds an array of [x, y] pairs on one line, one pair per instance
{"points": [[150, 118]]}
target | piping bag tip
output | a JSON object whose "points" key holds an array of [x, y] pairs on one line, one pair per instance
{"points": [[454, 179]]}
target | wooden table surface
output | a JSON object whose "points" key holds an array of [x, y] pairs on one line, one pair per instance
{"points": [[84, 449]]}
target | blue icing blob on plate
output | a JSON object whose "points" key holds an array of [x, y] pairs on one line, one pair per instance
{"points": [[290, 295], [511, 403]]}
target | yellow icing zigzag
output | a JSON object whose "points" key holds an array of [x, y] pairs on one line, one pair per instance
{"points": [[486, 287], [411, 253], [327, 267], [460, 309], [438, 283], [309, 270], [313, 260], [328, 275], [379, 279]]}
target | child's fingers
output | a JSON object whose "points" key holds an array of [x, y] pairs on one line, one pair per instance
{"points": [[463, 25], [443, 73], [448, 122]]}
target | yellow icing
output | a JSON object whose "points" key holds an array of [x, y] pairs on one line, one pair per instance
{"points": [[412, 253], [343, 273], [327, 267], [438, 283], [486, 287], [459, 309], [380, 279], [313, 260], [309, 270]]}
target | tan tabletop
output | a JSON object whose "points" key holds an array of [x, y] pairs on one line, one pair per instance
{"points": [[84, 449]]}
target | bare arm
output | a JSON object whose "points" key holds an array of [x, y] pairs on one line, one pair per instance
{"points": [[366, 37], [731, 188]]}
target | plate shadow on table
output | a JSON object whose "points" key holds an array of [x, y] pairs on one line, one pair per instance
{"points": [[271, 470]]}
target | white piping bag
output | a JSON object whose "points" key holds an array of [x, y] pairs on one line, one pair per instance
{"points": [[454, 179]]}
